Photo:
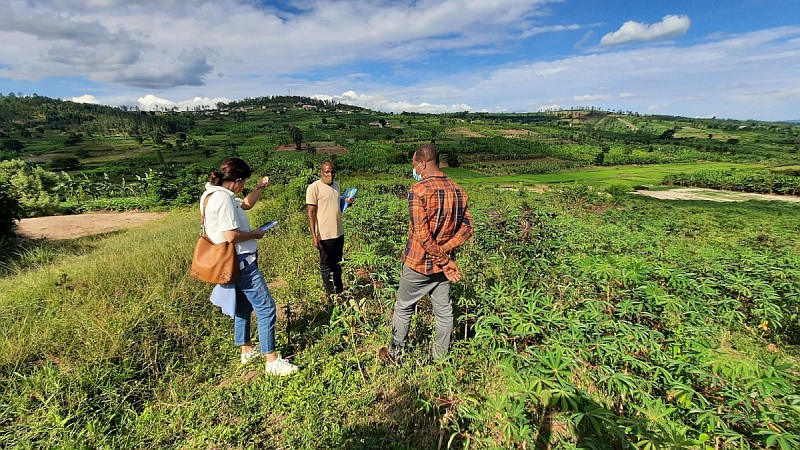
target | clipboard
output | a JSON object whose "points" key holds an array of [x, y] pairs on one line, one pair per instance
{"points": [[348, 193], [268, 225]]}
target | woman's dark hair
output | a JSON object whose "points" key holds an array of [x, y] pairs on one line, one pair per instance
{"points": [[231, 169]]}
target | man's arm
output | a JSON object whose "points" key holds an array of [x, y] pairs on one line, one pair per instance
{"points": [[312, 224], [421, 228], [464, 232]]}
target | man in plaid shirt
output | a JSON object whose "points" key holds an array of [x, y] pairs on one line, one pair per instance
{"points": [[440, 222]]}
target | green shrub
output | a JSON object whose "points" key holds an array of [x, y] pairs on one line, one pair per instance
{"points": [[33, 186], [65, 163], [618, 191], [758, 181], [13, 145], [452, 160], [10, 211], [576, 194], [170, 184]]}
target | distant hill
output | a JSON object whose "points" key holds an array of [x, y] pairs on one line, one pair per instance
{"points": [[124, 142]]}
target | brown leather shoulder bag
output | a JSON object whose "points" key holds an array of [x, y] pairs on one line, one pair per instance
{"points": [[213, 263]]}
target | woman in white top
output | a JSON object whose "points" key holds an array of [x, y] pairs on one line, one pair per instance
{"points": [[225, 220]]}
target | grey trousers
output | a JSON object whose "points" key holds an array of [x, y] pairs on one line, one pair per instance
{"points": [[414, 286]]}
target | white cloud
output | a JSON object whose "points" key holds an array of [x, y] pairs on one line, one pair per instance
{"points": [[551, 71], [550, 29], [631, 31], [689, 80], [744, 76], [86, 98], [392, 55], [589, 34], [382, 104], [152, 102], [591, 98], [163, 44], [550, 107]]}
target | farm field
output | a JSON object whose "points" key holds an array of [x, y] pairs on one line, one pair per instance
{"points": [[587, 318], [714, 195], [602, 176], [143, 369]]}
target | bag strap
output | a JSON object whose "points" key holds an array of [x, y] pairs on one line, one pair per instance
{"points": [[203, 212], [203, 215]]}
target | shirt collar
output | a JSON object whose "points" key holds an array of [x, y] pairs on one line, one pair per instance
{"points": [[213, 188], [437, 174]]}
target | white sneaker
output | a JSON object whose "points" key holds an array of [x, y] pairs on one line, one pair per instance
{"points": [[249, 356], [280, 367]]}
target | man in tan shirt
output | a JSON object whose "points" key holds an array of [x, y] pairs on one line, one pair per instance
{"points": [[323, 199]]}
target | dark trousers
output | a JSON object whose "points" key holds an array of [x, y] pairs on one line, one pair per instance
{"points": [[330, 259]]}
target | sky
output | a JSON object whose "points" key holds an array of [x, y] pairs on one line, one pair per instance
{"points": [[736, 59]]}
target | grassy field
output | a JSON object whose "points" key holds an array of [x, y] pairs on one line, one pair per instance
{"points": [[581, 324]]}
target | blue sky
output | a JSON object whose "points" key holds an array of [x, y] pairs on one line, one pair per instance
{"points": [[703, 58]]}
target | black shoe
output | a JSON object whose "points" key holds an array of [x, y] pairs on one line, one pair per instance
{"points": [[396, 353], [391, 354]]}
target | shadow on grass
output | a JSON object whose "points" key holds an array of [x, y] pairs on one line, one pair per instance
{"points": [[397, 423], [20, 253]]}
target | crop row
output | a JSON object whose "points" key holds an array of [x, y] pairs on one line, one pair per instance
{"points": [[762, 182]]}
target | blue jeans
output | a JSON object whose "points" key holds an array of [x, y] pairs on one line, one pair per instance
{"points": [[252, 294]]}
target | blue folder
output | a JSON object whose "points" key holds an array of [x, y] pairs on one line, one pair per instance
{"points": [[348, 193]]}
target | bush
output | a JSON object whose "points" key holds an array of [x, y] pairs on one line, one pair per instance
{"points": [[452, 159], [65, 163], [169, 184], [33, 186], [618, 191], [12, 145], [575, 194], [10, 211]]}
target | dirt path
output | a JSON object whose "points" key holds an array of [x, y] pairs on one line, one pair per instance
{"points": [[71, 227], [714, 195], [631, 126]]}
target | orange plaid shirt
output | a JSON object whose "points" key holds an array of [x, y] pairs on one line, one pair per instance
{"points": [[440, 222]]}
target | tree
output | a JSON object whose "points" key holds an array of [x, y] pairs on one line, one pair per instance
{"points": [[12, 145], [10, 210], [73, 139], [451, 159], [65, 163], [297, 137], [32, 186], [600, 158], [667, 134]]}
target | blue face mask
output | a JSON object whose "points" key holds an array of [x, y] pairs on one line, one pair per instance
{"points": [[414, 174]]}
